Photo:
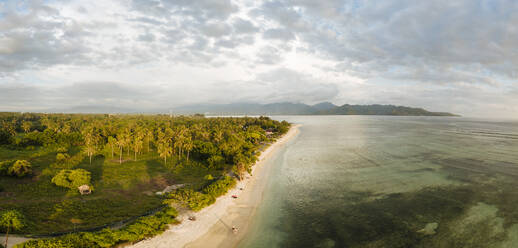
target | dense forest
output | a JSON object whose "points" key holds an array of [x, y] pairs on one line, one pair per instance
{"points": [[124, 160]]}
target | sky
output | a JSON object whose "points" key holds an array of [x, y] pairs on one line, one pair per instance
{"points": [[457, 56]]}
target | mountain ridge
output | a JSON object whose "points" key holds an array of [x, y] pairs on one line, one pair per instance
{"points": [[288, 108], [279, 108]]}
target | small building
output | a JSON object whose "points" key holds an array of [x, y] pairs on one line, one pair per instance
{"points": [[84, 189], [269, 132]]}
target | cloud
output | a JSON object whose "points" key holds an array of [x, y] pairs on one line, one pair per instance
{"points": [[39, 37], [279, 34], [244, 26], [433, 54]]}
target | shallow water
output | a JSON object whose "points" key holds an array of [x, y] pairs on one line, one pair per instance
{"points": [[372, 181]]}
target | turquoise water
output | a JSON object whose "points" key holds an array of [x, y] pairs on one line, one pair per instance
{"points": [[372, 181]]}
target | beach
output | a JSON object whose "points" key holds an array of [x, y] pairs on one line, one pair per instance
{"points": [[213, 224]]}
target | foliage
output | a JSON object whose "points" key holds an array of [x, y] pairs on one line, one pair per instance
{"points": [[193, 199], [143, 227], [131, 156], [62, 157], [20, 168], [72, 178], [220, 187], [198, 200], [11, 219], [4, 167]]}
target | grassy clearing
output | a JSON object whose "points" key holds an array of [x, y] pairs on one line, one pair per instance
{"points": [[121, 190]]}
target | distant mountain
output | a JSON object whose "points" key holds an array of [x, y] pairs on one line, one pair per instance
{"points": [[287, 108], [283, 108], [377, 109], [323, 106]]}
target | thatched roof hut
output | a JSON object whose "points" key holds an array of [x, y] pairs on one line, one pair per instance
{"points": [[84, 189]]}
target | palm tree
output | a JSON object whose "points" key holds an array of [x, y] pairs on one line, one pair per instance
{"points": [[11, 219], [164, 149], [188, 145], [121, 142], [90, 139], [26, 126], [112, 142], [137, 144]]}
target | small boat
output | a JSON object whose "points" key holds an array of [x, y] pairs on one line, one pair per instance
{"points": [[234, 196]]}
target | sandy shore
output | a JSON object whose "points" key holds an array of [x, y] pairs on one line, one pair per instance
{"points": [[13, 240], [213, 225]]}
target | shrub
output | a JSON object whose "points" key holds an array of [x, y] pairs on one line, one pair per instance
{"points": [[193, 199], [20, 168], [198, 200], [62, 149], [72, 178], [143, 227], [220, 187], [4, 167], [62, 157]]}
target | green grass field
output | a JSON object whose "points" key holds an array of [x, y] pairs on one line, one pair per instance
{"points": [[121, 191]]}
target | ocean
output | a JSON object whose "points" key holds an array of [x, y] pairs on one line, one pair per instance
{"points": [[380, 181]]}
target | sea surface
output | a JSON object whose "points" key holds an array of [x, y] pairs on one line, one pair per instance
{"points": [[379, 181]]}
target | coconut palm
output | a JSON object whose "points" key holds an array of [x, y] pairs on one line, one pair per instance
{"points": [[11, 220]]}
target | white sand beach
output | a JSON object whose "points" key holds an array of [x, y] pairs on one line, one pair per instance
{"points": [[213, 224]]}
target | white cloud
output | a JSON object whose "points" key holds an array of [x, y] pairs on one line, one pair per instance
{"points": [[457, 56]]}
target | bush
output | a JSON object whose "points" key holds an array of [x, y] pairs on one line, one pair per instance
{"points": [[62, 157], [4, 167], [72, 178], [220, 187], [193, 199], [198, 200], [20, 168], [143, 227], [62, 149]]}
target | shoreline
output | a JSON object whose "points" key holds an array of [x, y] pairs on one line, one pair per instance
{"points": [[214, 223]]}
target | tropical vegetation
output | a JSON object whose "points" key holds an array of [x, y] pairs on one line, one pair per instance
{"points": [[127, 159]]}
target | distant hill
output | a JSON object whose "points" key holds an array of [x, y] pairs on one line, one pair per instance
{"points": [[287, 108], [323, 106], [281, 108], [377, 109]]}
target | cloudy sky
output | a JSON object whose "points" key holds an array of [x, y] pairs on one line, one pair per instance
{"points": [[459, 56]]}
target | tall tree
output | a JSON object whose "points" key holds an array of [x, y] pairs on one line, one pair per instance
{"points": [[149, 138], [90, 141], [121, 142], [112, 142], [137, 142], [11, 220], [26, 125], [188, 145]]}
